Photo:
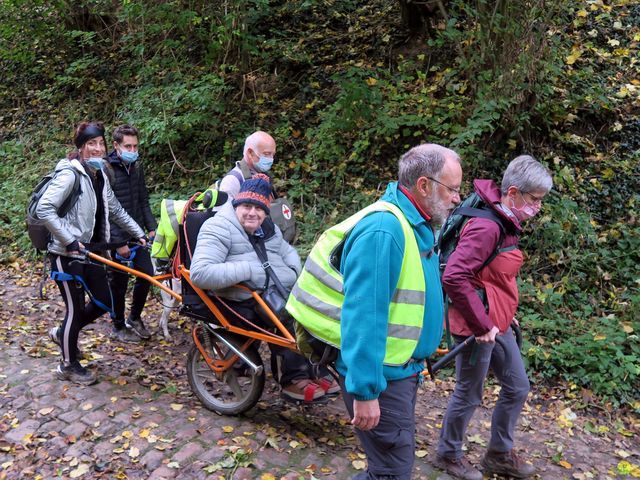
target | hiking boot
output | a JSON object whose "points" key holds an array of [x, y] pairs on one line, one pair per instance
{"points": [[125, 335], [54, 336], [457, 468], [137, 326], [76, 373], [507, 464]]}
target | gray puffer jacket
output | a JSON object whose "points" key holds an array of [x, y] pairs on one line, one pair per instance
{"points": [[224, 256], [79, 222]]}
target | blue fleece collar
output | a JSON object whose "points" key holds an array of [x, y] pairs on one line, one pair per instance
{"points": [[395, 196]]}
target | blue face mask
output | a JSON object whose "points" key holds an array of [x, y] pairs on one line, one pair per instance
{"points": [[128, 157], [264, 164], [95, 162]]}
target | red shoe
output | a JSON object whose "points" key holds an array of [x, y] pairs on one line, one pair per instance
{"points": [[329, 385], [303, 390]]}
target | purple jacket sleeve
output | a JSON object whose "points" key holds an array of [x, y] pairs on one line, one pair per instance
{"points": [[478, 241]]}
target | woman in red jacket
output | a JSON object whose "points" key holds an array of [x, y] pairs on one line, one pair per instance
{"points": [[484, 300]]}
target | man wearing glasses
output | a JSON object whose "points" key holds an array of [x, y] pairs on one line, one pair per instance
{"points": [[484, 300]]}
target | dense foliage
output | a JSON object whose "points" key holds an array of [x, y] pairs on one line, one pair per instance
{"points": [[345, 89]]}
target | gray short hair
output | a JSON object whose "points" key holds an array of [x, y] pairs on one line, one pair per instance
{"points": [[527, 175], [426, 160]]}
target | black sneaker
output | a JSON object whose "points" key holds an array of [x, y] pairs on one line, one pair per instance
{"points": [[125, 335], [137, 326], [54, 336], [76, 373]]}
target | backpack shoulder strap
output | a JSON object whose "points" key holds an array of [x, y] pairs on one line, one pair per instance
{"points": [[489, 214], [73, 197]]}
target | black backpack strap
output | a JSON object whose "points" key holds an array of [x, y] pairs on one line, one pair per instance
{"points": [[71, 200]]}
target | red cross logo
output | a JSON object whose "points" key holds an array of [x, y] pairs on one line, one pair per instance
{"points": [[286, 212]]}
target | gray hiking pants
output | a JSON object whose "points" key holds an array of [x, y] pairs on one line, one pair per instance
{"points": [[390, 446], [468, 395]]}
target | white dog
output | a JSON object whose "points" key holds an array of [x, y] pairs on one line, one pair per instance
{"points": [[169, 303]]}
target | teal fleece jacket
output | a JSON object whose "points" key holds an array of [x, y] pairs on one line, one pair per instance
{"points": [[370, 265]]}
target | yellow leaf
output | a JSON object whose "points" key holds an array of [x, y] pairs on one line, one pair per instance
{"points": [[358, 464], [421, 453], [613, 42], [134, 452], [599, 337], [173, 465], [227, 429], [127, 434], [294, 443], [575, 55], [80, 471], [267, 476], [565, 464], [45, 411], [371, 81], [86, 406], [176, 406], [627, 327], [582, 13]]}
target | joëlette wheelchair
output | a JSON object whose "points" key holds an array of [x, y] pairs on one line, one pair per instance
{"points": [[224, 367]]}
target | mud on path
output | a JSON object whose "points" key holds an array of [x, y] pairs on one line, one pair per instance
{"points": [[142, 421]]}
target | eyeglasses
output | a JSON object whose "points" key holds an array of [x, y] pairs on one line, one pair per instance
{"points": [[536, 200], [454, 191]]}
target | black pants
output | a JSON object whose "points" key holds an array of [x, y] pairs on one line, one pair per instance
{"points": [[286, 365], [79, 314], [120, 281]]}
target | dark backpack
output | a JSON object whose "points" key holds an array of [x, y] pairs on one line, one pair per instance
{"points": [[449, 235], [38, 233]]}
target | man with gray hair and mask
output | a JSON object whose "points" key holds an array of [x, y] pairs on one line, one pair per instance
{"points": [[258, 154], [257, 157], [371, 286]]}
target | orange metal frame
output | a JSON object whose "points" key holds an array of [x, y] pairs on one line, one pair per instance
{"points": [[285, 339]]}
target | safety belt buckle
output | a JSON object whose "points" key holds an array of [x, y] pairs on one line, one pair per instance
{"points": [[266, 265]]}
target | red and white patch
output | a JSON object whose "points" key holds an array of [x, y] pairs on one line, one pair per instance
{"points": [[286, 212]]}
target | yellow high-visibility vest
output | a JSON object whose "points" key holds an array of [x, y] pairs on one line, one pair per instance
{"points": [[317, 297]]}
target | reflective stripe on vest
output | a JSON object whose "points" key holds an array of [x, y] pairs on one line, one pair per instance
{"points": [[317, 297], [171, 212]]}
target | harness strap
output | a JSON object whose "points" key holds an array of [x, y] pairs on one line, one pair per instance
{"points": [[67, 277]]}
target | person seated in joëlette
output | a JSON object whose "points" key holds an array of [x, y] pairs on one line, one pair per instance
{"points": [[225, 256]]}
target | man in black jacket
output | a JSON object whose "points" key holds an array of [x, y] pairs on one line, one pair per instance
{"points": [[131, 191]]}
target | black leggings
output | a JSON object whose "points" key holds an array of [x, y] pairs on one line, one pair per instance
{"points": [[119, 283], [79, 314]]}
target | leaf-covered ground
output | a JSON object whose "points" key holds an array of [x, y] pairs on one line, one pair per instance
{"points": [[563, 432]]}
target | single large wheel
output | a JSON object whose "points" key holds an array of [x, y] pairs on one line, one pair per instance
{"points": [[229, 393]]}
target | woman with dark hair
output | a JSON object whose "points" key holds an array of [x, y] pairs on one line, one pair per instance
{"points": [[87, 222]]}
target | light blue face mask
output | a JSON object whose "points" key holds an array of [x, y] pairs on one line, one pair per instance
{"points": [[264, 164], [95, 162], [128, 157]]}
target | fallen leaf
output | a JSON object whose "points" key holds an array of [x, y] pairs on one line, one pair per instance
{"points": [[81, 470], [227, 429], [176, 406], [134, 452], [565, 464], [45, 411], [358, 464]]}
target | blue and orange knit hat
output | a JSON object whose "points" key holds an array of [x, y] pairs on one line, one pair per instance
{"points": [[256, 190]]}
